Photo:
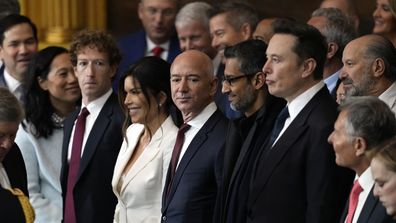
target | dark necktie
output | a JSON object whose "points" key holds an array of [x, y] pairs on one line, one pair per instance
{"points": [[157, 51], [74, 164], [176, 151], [353, 200], [279, 123]]}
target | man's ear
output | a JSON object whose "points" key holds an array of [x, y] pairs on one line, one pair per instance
{"points": [[309, 66], [378, 67], [332, 49], [246, 31], [259, 80], [360, 146]]}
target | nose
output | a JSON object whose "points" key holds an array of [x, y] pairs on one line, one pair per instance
{"points": [[215, 42], [376, 13], [266, 68], [225, 88], [127, 99], [7, 143], [376, 190], [183, 87], [189, 44], [22, 48], [330, 138], [343, 74]]}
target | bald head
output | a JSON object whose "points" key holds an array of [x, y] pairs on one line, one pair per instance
{"points": [[193, 84]]}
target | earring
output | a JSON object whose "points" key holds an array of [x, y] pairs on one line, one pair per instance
{"points": [[159, 104]]}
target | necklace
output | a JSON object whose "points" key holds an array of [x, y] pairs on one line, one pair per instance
{"points": [[57, 120]]}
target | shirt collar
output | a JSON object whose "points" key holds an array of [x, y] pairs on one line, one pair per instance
{"points": [[12, 83], [203, 116], [151, 45]]}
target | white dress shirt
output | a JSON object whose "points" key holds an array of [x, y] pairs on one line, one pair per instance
{"points": [[298, 104], [94, 109], [366, 181], [196, 125], [13, 85], [4, 181], [151, 45]]}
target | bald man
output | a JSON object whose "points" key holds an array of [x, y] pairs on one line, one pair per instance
{"points": [[190, 193]]}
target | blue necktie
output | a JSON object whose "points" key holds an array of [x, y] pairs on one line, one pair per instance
{"points": [[279, 123]]}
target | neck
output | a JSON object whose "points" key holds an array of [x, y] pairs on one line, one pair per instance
{"points": [[258, 103], [63, 109], [331, 67], [154, 124], [382, 85]]}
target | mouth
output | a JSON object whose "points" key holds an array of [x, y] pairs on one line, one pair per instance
{"points": [[133, 111]]}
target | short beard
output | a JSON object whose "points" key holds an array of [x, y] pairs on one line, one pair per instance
{"points": [[362, 89], [246, 101]]}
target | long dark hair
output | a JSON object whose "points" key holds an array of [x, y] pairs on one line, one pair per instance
{"points": [[153, 75], [38, 108]]}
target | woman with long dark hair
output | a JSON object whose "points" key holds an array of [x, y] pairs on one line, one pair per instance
{"points": [[51, 94]]}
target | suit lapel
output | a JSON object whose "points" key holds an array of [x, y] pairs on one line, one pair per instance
{"points": [[368, 207], [293, 132], [96, 135], [192, 149]]}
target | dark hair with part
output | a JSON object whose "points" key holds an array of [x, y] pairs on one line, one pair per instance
{"points": [[309, 42], [153, 75], [12, 20]]}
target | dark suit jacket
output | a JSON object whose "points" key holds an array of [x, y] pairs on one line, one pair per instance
{"points": [[298, 180], [237, 145], [192, 196], [133, 47], [94, 200], [2, 79], [372, 212], [10, 209]]}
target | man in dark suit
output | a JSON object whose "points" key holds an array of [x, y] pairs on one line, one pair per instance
{"points": [[190, 191], [364, 123], [244, 84], [296, 178], [89, 154], [13, 182], [338, 31], [18, 43], [157, 17]]}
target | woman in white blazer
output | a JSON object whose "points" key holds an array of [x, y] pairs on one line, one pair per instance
{"points": [[142, 164]]}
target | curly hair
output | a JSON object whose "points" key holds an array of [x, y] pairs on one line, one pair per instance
{"points": [[102, 41]]}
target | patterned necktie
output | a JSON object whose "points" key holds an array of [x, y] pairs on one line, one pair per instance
{"points": [[157, 51], [353, 200], [74, 165]]}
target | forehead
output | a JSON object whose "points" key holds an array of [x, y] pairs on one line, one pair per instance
{"points": [[341, 119], [159, 3], [281, 44], [219, 21], [90, 52], [7, 127], [17, 30], [232, 64], [193, 27], [188, 65], [355, 49]]}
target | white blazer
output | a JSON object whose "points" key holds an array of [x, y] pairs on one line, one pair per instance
{"points": [[139, 195]]}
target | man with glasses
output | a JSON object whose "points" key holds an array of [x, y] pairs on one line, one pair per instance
{"points": [[244, 84], [92, 134]]}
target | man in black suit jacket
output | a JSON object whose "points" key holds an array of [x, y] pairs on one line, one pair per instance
{"points": [[190, 195], [244, 84], [95, 57], [364, 123], [12, 166], [296, 178], [338, 31]]}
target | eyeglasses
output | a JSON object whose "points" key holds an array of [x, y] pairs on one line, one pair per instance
{"points": [[231, 80]]}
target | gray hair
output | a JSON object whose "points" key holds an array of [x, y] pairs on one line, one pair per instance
{"points": [[10, 107], [370, 118], [338, 28], [194, 12], [381, 47]]}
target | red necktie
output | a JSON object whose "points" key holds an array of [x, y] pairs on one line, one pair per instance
{"points": [[176, 151], [157, 51], [74, 164], [353, 200]]}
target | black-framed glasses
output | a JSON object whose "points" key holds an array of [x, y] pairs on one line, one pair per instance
{"points": [[231, 80]]}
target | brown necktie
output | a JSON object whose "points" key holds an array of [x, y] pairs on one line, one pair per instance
{"points": [[74, 164]]}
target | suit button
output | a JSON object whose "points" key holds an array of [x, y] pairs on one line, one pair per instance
{"points": [[163, 218]]}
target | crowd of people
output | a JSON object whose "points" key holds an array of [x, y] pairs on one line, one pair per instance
{"points": [[206, 114]]}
